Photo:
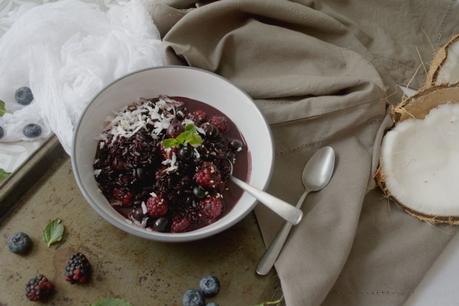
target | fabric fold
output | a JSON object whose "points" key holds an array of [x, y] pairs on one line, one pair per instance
{"points": [[313, 71]]}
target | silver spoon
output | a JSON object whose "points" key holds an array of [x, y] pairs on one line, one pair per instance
{"points": [[290, 213], [316, 174]]}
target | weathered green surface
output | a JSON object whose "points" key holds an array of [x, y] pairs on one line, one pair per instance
{"points": [[140, 271]]}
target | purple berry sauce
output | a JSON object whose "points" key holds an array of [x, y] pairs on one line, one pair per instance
{"points": [[164, 163]]}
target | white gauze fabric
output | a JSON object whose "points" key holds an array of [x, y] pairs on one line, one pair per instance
{"points": [[66, 52]]}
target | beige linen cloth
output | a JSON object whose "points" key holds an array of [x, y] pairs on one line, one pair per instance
{"points": [[323, 72]]}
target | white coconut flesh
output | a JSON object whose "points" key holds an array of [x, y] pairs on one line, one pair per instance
{"points": [[420, 162], [449, 70]]}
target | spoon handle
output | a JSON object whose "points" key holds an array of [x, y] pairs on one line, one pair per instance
{"points": [[270, 256], [290, 213]]}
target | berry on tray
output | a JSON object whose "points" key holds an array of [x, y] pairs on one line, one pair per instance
{"points": [[19, 243], [23, 95], [193, 297], [39, 288], [209, 286], [78, 269]]}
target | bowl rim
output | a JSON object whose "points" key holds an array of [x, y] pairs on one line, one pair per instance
{"points": [[165, 237]]}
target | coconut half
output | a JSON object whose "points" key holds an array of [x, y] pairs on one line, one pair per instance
{"points": [[445, 64], [419, 164]]}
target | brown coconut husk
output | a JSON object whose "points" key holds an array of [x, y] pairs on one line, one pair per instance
{"points": [[438, 61], [418, 106]]}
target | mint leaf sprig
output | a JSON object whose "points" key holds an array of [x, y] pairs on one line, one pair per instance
{"points": [[53, 232], [3, 174], [189, 136]]}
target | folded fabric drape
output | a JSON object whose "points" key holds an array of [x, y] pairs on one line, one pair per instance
{"points": [[323, 72]]}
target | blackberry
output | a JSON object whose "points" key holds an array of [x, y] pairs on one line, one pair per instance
{"points": [[78, 269], [209, 286], [23, 95], [19, 243], [39, 288]]}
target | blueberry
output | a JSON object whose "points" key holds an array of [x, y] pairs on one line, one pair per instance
{"points": [[2, 133], [161, 224], [209, 285], [32, 130], [23, 95], [193, 297], [211, 130], [185, 153], [212, 304], [199, 192], [137, 214], [236, 145], [19, 243]]}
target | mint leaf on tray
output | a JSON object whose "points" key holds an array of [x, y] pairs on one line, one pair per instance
{"points": [[3, 174], [53, 232], [111, 302], [2, 108]]}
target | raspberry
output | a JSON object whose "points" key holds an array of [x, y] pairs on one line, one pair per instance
{"points": [[208, 175], [220, 122], [198, 117], [157, 206], [180, 224], [122, 195], [39, 288], [78, 269], [211, 208]]}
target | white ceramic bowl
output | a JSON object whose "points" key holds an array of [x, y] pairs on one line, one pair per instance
{"points": [[174, 81]]}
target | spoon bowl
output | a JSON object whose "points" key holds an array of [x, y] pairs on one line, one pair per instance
{"points": [[319, 169]]}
